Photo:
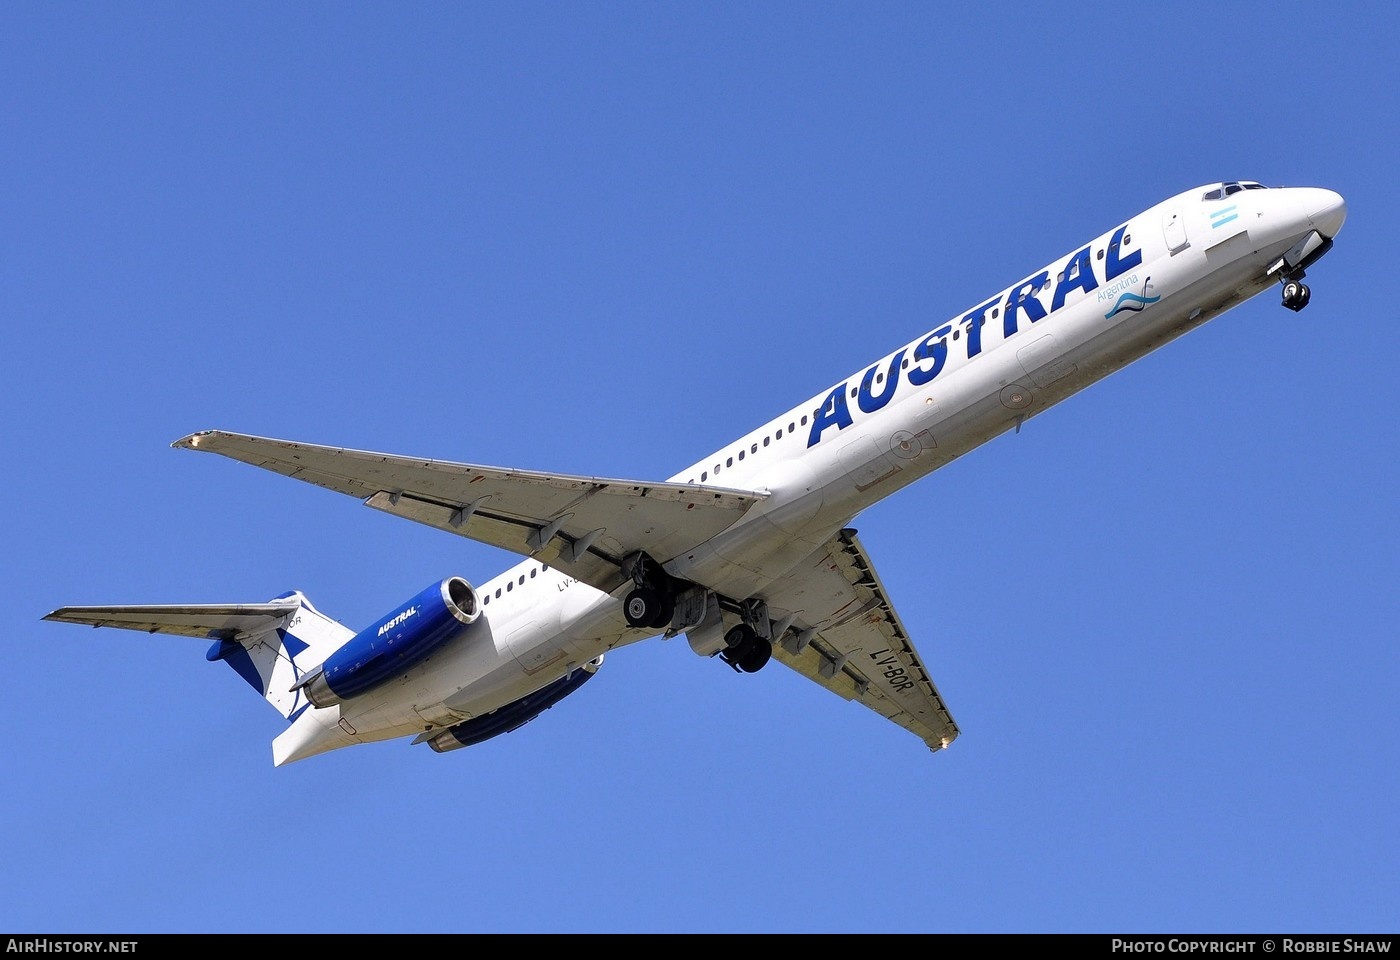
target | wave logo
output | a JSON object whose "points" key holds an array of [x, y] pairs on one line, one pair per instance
{"points": [[1129, 302]]}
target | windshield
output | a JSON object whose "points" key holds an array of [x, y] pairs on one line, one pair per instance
{"points": [[1225, 189]]}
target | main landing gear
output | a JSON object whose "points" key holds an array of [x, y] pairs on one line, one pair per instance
{"points": [[652, 602], [745, 650], [1296, 294], [657, 601], [649, 607], [653, 608]]}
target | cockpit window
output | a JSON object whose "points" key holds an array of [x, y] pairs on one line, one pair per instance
{"points": [[1230, 187]]}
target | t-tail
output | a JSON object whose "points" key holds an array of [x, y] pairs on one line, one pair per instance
{"points": [[270, 645], [297, 657], [275, 659]]}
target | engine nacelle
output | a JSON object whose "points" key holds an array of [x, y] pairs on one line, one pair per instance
{"points": [[513, 715], [408, 634]]}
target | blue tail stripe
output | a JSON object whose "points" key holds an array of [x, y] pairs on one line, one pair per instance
{"points": [[293, 644], [236, 656]]}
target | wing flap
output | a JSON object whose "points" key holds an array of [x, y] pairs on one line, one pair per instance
{"points": [[207, 621], [584, 525], [578, 556], [855, 644]]}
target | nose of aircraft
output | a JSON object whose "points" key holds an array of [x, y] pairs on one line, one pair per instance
{"points": [[1327, 211]]}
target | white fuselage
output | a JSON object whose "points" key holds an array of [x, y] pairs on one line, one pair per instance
{"points": [[1006, 358]]}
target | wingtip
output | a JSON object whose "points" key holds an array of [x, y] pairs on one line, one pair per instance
{"points": [[63, 615], [193, 441]]}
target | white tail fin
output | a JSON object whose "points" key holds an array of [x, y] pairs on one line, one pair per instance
{"points": [[274, 658]]}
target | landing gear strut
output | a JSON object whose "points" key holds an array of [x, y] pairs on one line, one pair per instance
{"points": [[1296, 294]]}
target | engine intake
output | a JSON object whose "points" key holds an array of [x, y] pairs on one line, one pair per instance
{"points": [[394, 643]]}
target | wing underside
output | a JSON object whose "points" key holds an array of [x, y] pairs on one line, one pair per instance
{"points": [[584, 526], [854, 643]]}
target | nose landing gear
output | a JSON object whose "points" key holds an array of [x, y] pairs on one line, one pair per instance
{"points": [[1296, 294], [1291, 266]]}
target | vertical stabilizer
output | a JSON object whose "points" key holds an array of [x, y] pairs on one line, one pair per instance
{"points": [[274, 658]]}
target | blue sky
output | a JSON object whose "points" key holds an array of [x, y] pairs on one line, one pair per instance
{"points": [[607, 238]]}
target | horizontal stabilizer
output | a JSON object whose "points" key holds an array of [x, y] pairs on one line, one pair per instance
{"points": [[209, 621], [270, 645]]}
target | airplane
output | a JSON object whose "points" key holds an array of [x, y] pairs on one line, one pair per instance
{"points": [[749, 552]]}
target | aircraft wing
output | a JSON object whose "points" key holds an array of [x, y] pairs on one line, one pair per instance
{"points": [[584, 526], [206, 620], [854, 644]]}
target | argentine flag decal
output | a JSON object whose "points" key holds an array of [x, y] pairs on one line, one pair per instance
{"points": [[1224, 215]]}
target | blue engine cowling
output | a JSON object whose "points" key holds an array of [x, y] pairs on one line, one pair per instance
{"points": [[513, 715], [395, 642]]}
